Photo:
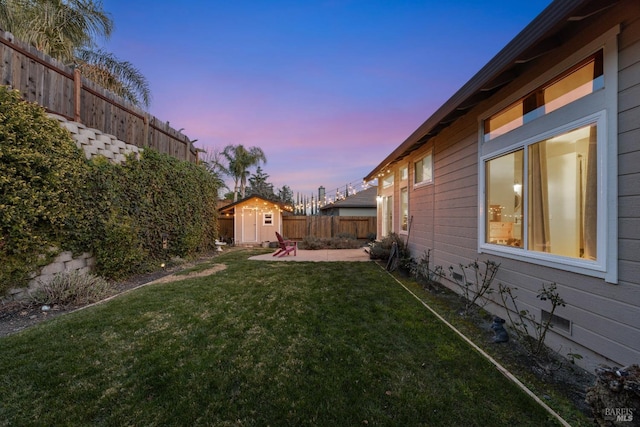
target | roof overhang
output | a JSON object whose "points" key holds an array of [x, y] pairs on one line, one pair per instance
{"points": [[541, 36]]}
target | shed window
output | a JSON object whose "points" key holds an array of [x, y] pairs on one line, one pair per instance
{"points": [[267, 218]]}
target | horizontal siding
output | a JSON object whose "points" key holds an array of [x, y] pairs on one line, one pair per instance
{"points": [[629, 141], [606, 317], [629, 159]]}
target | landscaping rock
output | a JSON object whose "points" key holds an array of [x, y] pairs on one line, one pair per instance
{"points": [[615, 397]]}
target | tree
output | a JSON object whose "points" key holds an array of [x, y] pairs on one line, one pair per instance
{"points": [[285, 194], [120, 77], [240, 160], [67, 31], [213, 162], [259, 186]]}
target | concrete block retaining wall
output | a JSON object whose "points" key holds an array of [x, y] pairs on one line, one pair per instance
{"points": [[64, 262], [94, 143]]}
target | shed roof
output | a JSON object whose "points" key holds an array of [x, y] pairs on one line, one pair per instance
{"points": [[541, 36], [230, 207]]}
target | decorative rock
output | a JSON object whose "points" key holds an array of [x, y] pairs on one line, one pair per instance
{"points": [[499, 332], [615, 397], [75, 264]]}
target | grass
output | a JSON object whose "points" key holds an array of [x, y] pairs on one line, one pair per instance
{"points": [[260, 343]]}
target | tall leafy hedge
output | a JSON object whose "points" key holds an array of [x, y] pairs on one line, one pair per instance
{"points": [[42, 178], [52, 198], [144, 202]]}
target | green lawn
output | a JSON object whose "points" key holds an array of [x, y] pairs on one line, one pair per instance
{"points": [[260, 343]]}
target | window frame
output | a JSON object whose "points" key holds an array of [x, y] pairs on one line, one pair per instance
{"points": [[388, 181], [523, 253], [271, 219], [404, 191], [599, 107], [424, 182]]}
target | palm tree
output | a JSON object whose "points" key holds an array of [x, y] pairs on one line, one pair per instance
{"points": [[240, 160], [67, 31], [120, 77]]}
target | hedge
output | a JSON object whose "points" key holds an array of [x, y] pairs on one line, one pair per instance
{"points": [[53, 199]]}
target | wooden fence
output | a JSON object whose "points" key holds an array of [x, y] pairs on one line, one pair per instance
{"points": [[63, 91], [298, 227]]}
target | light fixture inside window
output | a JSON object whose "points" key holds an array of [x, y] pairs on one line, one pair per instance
{"points": [[517, 188]]}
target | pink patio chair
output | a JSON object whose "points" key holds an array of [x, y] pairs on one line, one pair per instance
{"points": [[286, 247]]}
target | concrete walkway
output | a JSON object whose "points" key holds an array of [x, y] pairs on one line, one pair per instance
{"points": [[321, 255]]}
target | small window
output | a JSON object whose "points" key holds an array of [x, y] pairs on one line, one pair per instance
{"points": [[404, 209], [387, 181], [267, 218], [404, 173], [424, 170], [387, 215], [578, 82]]}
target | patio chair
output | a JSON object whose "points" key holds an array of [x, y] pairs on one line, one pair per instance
{"points": [[285, 247]]}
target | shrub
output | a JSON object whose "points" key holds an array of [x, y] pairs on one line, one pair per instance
{"points": [[72, 289], [478, 284], [142, 201], [340, 241], [381, 250], [424, 272], [312, 243], [531, 331]]}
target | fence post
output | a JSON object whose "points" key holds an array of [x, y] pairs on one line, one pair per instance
{"points": [[77, 92], [145, 132]]}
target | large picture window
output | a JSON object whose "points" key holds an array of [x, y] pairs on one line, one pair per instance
{"points": [[548, 166], [554, 210]]}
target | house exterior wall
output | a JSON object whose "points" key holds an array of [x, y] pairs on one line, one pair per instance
{"points": [[605, 317]]}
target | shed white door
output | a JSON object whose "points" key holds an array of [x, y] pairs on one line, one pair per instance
{"points": [[249, 225]]}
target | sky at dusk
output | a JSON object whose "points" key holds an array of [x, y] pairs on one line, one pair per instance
{"points": [[327, 88]]}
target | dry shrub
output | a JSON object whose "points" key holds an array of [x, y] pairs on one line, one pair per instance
{"points": [[72, 289]]}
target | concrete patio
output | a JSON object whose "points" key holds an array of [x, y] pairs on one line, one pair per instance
{"points": [[320, 255]]}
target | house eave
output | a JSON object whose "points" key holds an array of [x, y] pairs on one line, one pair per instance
{"points": [[534, 41]]}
